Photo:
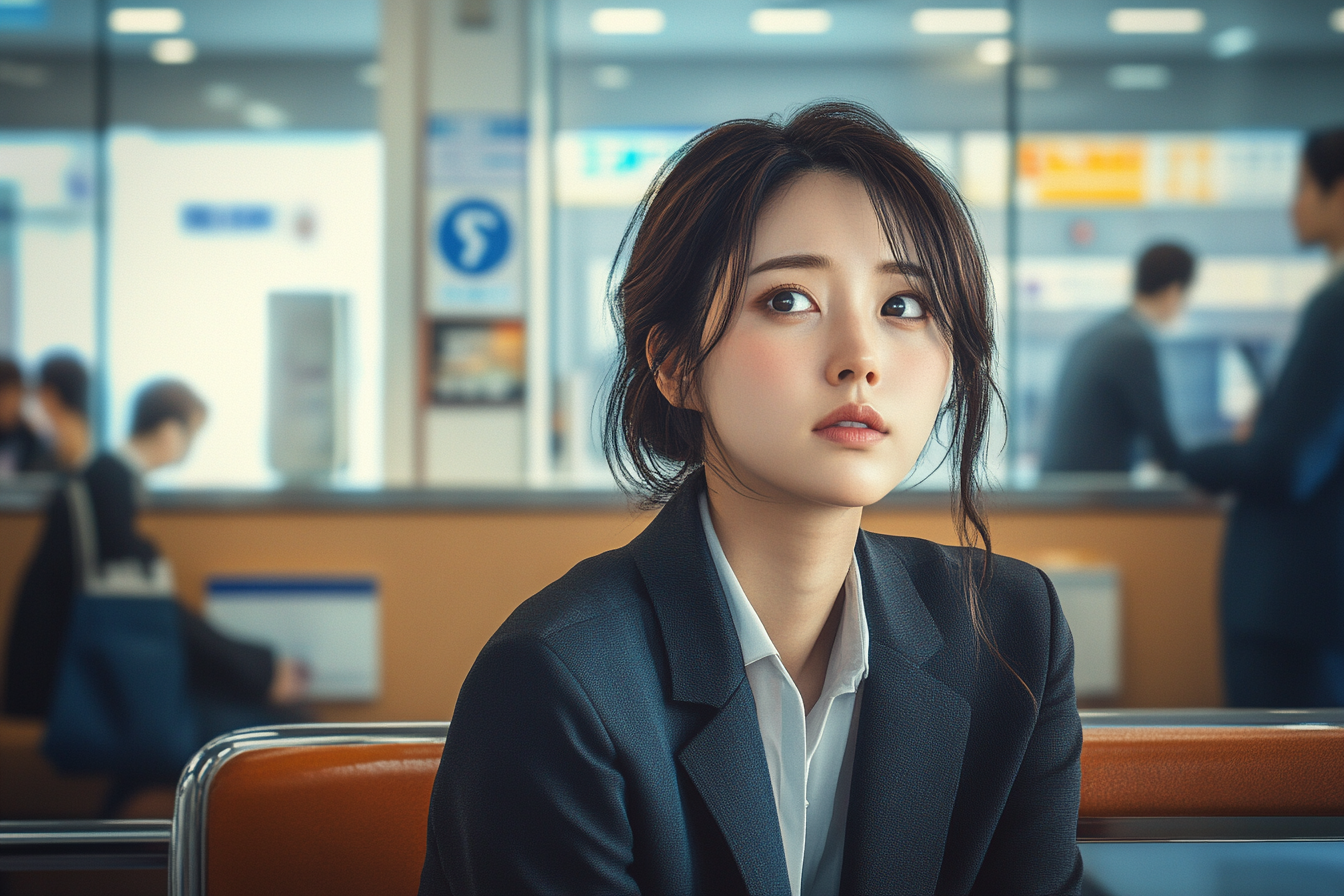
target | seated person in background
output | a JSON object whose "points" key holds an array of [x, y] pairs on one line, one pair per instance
{"points": [[233, 681], [21, 451], [1110, 392]]}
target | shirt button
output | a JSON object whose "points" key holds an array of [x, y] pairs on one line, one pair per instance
{"points": [[807, 804]]}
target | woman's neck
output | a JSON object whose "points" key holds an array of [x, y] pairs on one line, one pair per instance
{"points": [[791, 559]]}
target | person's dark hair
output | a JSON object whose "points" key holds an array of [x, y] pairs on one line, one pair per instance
{"points": [[66, 377], [11, 374], [163, 401], [1324, 157], [1161, 266], [690, 239]]}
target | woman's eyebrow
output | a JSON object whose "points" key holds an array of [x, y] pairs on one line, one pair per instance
{"points": [[791, 261], [804, 260], [905, 268]]}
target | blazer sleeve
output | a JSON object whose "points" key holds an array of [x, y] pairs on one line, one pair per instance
{"points": [[1140, 384], [528, 797], [1298, 440], [1035, 844], [223, 667]]}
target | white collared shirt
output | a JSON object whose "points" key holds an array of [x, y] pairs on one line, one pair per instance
{"points": [[810, 755]]}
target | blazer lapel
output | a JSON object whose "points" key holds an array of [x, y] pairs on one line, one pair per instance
{"points": [[724, 760], [912, 734]]}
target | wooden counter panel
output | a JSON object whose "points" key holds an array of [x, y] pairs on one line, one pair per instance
{"points": [[448, 579]]}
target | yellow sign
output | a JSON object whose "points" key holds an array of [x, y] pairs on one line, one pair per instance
{"points": [[1063, 170]]}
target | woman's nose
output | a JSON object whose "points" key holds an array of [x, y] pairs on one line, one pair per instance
{"points": [[853, 357]]}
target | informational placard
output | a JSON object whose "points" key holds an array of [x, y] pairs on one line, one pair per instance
{"points": [[475, 167], [330, 624], [1233, 169], [612, 167]]}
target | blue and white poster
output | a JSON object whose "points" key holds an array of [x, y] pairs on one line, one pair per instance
{"points": [[475, 169]]}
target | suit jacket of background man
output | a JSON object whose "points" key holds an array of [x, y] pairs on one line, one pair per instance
{"points": [[606, 739], [217, 666], [1110, 395], [1283, 561]]}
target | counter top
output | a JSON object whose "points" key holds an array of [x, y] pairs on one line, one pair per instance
{"points": [[1076, 493]]}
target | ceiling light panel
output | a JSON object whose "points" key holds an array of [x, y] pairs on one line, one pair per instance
{"points": [[994, 51], [172, 51], [1156, 21], [145, 20], [961, 21], [1337, 19], [790, 21], [627, 20]]}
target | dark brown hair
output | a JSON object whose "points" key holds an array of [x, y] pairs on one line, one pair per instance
{"points": [[1323, 155], [1162, 265], [65, 377], [690, 239], [163, 401]]}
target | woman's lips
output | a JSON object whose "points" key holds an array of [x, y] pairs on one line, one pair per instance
{"points": [[852, 424], [850, 435]]}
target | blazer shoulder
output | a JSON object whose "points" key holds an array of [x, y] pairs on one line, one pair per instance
{"points": [[1014, 595], [605, 590]]}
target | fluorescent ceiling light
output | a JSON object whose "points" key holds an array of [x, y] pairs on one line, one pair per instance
{"points": [[1138, 77], [1156, 21], [961, 21], [145, 20], [994, 51], [790, 21], [1337, 19], [172, 51], [1232, 42], [627, 20]]}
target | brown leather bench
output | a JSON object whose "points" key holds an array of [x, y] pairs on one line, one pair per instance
{"points": [[306, 809], [1208, 771], [314, 809]]}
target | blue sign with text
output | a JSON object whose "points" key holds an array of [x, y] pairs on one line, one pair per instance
{"points": [[474, 236], [201, 217]]}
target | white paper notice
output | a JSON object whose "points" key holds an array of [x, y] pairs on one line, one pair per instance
{"points": [[332, 624]]}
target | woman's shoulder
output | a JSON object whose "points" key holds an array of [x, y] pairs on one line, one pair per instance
{"points": [[1014, 594], [600, 597]]}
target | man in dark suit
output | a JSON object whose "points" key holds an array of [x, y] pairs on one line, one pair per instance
{"points": [[1283, 561], [1110, 392]]}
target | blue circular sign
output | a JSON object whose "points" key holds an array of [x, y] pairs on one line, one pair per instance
{"points": [[474, 236]]}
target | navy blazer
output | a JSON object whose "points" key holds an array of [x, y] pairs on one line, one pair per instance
{"points": [[1283, 567], [606, 739]]}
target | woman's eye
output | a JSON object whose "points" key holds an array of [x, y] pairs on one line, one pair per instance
{"points": [[789, 301], [902, 306]]}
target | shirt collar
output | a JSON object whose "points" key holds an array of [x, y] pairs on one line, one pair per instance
{"points": [[849, 656]]}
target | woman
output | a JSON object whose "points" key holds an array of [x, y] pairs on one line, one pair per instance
{"points": [[754, 695]]}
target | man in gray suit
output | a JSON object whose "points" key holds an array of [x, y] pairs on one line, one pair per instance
{"points": [[1110, 393]]}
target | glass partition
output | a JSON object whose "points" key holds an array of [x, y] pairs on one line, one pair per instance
{"points": [[1180, 125], [170, 187], [170, 177]]}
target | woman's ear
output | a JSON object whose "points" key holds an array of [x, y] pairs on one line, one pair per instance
{"points": [[667, 373]]}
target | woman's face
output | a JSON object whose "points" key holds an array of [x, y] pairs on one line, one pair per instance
{"points": [[829, 378]]}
